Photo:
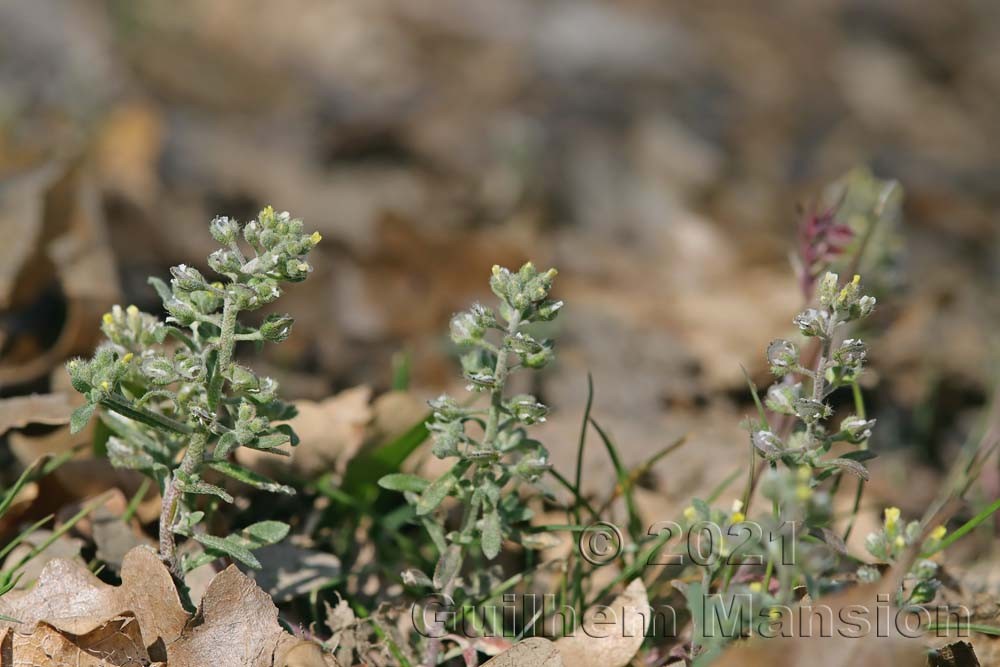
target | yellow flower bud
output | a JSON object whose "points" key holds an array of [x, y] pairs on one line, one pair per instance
{"points": [[127, 358], [316, 238], [107, 318], [899, 542], [690, 513], [803, 492], [738, 517], [891, 516], [939, 532], [756, 587]]}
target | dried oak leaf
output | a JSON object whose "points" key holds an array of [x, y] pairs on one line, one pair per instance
{"points": [[610, 635], [533, 652], [73, 601], [116, 643], [71, 243], [237, 626], [64, 547], [19, 411], [836, 649], [113, 536]]}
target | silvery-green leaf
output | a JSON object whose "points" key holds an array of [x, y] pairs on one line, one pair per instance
{"points": [[492, 538], [768, 444], [403, 482], [448, 567], [249, 477], [78, 420], [851, 466], [199, 486], [266, 532], [229, 547], [438, 490]]}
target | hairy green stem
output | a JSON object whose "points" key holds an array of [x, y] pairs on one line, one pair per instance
{"points": [[819, 376], [194, 455], [190, 464], [496, 394], [227, 342]]}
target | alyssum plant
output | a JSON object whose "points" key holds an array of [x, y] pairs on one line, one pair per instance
{"points": [[490, 446], [178, 408], [798, 453], [833, 367]]}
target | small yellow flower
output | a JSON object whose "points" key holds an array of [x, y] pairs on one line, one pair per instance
{"points": [[105, 385], [127, 358], [107, 318], [316, 238], [756, 587], [891, 517], [774, 614], [803, 492], [690, 513], [132, 310], [738, 517], [939, 532], [899, 542]]}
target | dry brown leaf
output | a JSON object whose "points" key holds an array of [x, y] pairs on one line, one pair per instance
{"points": [[72, 242], [73, 601], [236, 626], [599, 643], [113, 536], [19, 411], [342, 624], [289, 571], [72, 618], [116, 643], [65, 547], [394, 413], [533, 652], [127, 149], [300, 653], [837, 650], [21, 204]]}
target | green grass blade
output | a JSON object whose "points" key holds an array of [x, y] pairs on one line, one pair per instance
{"points": [[634, 523], [966, 528], [583, 439]]}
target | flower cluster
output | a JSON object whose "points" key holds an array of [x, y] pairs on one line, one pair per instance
{"points": [[162, 397], [804, 385], [888, 545], [491, 445]]}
